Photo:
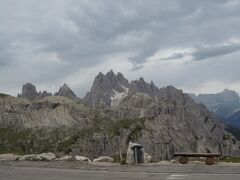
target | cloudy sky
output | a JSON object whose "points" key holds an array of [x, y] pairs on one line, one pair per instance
{"points": [[191, 44]]}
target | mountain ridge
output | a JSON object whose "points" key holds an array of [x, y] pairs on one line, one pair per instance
{"points": [[115, 112], [225, 104]]}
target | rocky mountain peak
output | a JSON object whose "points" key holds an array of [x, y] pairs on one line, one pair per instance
{"points": [[143, 87], [229, 95], [105, 88], [66, 91], [29, 91], [111, 74]]}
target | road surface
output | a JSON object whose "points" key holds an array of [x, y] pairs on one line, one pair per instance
{"points": [[64, 171]]}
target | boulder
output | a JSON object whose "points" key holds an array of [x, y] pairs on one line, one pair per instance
{"points": [[82, 159], [46, 157], [65, 158], [103, 159], [28, 157], [9, 157], [147, 158]]}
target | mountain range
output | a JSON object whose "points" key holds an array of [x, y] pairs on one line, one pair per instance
{"points": [[225, 104], [113, 113]]}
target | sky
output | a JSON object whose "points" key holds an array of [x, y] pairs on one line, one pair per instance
{"points": [[190, 44]]}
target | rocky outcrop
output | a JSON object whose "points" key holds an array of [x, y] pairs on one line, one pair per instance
{"points": [[107, 90], [82, 159], [28, 157], [48, 112], [29, 92], [104, 159], [65, 158], [143, 87], [46, 157], [66, 91]]}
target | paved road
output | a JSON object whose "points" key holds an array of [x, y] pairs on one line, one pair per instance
{"points": [[20, 172]]}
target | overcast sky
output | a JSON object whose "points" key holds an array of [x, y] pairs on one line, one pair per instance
{"points": [[191, 44]]}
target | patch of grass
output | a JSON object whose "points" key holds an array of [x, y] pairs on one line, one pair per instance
{"points": [[226, 137], [230, 159], [2, 95], [13, 141]]}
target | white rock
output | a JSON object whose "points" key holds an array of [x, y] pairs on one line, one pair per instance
{"points": [[65, 158], [103, 159], [147, 158], [46, 157], [28, 157], [82, 159], [9, 157]]}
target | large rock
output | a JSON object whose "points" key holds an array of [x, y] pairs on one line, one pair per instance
{"points": [[65, 158], [82, 159], [46, 157], [147, 158], [104, 159], [28, 157]]}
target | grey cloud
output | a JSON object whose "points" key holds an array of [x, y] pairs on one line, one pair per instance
{"points": [[82, 33], [210, 52], [174, 56]]}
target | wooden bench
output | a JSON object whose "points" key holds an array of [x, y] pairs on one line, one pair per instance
{"points": [[209, 157]]}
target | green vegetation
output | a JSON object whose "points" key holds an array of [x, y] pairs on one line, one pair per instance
{"points": [[3, 95], [230, 159], [226, 137], [13, 141], [63, 139]]}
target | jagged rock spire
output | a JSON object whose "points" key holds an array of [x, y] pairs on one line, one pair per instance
{"points": [[66, 91]]}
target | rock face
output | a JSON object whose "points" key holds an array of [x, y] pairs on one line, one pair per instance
{"points": [[65, 91], [48, 112], [29, 92], [225, 104]]}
